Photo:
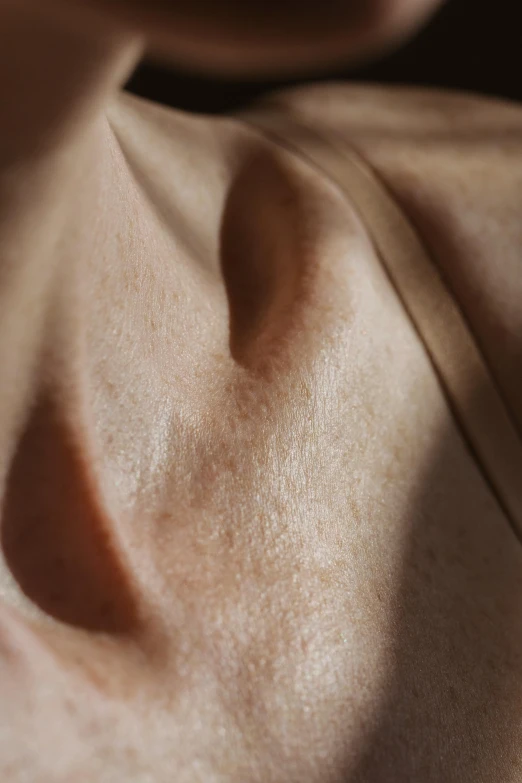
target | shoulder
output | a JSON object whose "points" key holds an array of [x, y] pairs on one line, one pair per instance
{"points": [[453, 163]]}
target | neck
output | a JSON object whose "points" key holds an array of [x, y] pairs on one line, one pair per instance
{"points": [[58, 70]]}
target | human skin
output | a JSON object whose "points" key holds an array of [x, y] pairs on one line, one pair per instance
{"points": [[256, 37], [239, 547]]}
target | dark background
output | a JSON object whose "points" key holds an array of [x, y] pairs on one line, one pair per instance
{"points": [[469, 45]]}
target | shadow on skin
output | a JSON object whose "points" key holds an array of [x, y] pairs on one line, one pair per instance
{"points": [[262, 276], [452, 710], [53, 536]]}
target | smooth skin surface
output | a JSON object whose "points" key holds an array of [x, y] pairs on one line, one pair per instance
{"points": [[243, 538], [253, 37]]}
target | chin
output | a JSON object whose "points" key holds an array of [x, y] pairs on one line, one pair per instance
{"points": [[266, 37]]}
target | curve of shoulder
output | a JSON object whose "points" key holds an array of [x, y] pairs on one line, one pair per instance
{"points": [[453, 163]]}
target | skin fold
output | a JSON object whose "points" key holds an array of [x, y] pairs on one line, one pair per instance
{"points": [[243, 535]]}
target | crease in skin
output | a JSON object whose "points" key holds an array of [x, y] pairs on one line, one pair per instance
{"points": [[466, 398]]}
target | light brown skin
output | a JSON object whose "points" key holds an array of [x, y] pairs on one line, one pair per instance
{"points": [[253, 37], [242, 537]]}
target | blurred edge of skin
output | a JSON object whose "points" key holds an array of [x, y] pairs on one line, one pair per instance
{"points": [[265, 37]]}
